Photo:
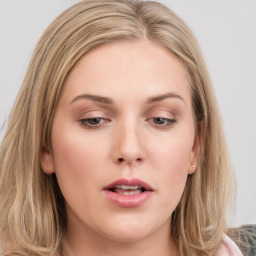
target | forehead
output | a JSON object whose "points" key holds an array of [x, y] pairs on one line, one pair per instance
{"points": [[124, 67]]}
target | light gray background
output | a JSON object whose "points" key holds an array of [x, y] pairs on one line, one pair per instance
{"points": [[226, 31]]}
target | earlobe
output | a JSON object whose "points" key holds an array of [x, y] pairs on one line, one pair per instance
{"points": [[194, 155], [47, 161]]}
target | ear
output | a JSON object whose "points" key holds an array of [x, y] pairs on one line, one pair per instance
{"points": [[47, 161], [194, 156]]}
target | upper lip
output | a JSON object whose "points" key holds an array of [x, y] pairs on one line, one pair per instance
{"points": [[130, 182]]}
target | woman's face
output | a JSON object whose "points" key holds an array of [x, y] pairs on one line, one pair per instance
{"points": [[123, 141]]}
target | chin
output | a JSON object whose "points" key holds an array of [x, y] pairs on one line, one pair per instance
{"points": [[127, 236], [130, 229]]}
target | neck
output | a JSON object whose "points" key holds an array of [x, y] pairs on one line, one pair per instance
{"points": [[84, 242]]}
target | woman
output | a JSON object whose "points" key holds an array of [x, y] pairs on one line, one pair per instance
{"points": [[115, 144]]}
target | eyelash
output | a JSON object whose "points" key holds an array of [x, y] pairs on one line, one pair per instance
{"points": [[167, 122], [86, 124]]}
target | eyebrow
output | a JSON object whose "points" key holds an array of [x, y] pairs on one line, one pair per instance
{"points": [[163, 97], [92, 97], [106, 100]]}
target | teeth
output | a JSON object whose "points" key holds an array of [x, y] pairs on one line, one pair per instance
{"points": [[127, 190], [128, 193], [127, 187]]}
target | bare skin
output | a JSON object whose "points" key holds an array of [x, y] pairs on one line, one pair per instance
{"points": [[125, 112]]}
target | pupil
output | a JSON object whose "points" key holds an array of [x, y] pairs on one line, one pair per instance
{"points": [[94, 121], [159, 120]]}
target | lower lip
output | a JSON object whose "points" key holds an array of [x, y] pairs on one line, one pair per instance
{"points": [[128, 201]]}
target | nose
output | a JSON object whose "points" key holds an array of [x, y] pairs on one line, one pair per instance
{"points": [[128, 148]]}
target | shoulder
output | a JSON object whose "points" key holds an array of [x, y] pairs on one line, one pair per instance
{"points": [[228, 248]]}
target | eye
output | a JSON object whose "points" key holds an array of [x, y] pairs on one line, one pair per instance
{"points": [[162, 122], [93, 122]]}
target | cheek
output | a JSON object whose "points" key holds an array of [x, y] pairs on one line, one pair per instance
{"points": [[78, 161], [172, 153], [74, 153], [170, 159]]}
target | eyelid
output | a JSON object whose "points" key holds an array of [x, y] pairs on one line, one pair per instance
{"points": [[83, 123], [95, 113], [162, 113], [170, 122], [87, 116], [167, 115]]}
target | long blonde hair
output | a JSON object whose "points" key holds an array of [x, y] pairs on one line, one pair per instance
{"points": [[32, 209]]}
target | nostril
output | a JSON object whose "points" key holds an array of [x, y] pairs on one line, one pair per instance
{"points": [[120, 160]]}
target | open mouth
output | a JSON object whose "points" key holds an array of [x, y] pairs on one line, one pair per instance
{"points": [[127, 190], [129, 187], [128, 193]]}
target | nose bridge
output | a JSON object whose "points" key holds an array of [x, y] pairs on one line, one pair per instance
{"points": [[129, 147]]}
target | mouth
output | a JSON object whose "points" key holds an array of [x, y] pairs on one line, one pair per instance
{"points": [[128, 193], [127, 190], [128, 187]]}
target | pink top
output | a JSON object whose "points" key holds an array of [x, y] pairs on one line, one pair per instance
{"points": [[228, 248]]}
